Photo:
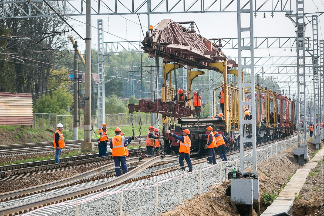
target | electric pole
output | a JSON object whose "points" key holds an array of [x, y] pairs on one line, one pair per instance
{"points": [[76, 93]]}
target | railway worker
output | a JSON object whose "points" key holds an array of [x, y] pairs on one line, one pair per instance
{"points": [[247, 114], [220, 143], [156, 141], [126, 149], [117, 145], [150, 141], [58, 142], [222, 99], [311, 130], [184, 149], [197, 103], [181, 96], [102, 144], [211, 145]]}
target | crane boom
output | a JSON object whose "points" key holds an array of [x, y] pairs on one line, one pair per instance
{"points": [[79, 53]]}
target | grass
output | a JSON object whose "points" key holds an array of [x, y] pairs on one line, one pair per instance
{"points": [[268, 198], [314, 172], [47, 157]]}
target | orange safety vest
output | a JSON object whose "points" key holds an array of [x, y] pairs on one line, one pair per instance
{"points": [[103, 135], [185, 146], [213, 144], [222, 97], [311, 128], [157, 142], [197, 100], [247, 112], [149, 141], [61, 143], [181, 98], [118, 147], [219, 140]]}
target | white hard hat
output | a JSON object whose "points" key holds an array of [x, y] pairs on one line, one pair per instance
{"points": [[59, 125]]}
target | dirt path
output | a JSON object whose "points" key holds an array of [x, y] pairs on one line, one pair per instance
{"points": [[273, 175]]}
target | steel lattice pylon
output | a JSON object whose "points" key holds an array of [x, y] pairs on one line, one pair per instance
{"points": [[321, 84], [301, 82], [101, 75], [315, 70]]}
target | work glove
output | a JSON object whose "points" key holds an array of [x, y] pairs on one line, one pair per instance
{"points": [[133, 137], [205, 147]]}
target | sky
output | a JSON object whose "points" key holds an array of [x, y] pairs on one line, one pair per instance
{"points": [[211, 25]]}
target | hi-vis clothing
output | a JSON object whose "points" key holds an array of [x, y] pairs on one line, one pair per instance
{"points": [[61, 143], [213, 143], [103, 135], [222, 97], [149, 141], [311, 128], [197, 100], [219, 140], [118, 146], [181, 97], [156, 142], [185, 146], [247, 113]]}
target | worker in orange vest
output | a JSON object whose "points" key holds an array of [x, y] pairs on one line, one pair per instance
{"points": [[247, 114], [197, 103], [126, 149], [222, 99], [156, 141], [58, 142], [150, 141], [181, 96], [220, 144], [311, 130], [102, 142], [184, 149], [210, 145], [117, 145]]}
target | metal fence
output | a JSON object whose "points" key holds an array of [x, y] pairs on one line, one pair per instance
{"points": [[50, 120]]}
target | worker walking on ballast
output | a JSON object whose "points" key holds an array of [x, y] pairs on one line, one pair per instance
{"points": [[184, 150], [210, 145], [102, 144], [58, 142], [150, 138], [117, 145]]}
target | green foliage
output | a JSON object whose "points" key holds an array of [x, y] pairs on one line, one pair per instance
{"points": [[114, 105], [59, 102], [314, 172], [132, 100], [268, 198]]}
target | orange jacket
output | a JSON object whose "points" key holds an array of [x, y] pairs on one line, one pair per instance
{"points": [[222, 97], [149, 141], [213, 144], [103, 135], [197, 100], [118, 147], [185, 146], [247, 112], [61, 143], [156, 141], [311, 128], [219, 140]]}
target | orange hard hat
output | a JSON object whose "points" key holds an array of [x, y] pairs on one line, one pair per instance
{"points": [[211, 116], [195, 93], [156, 129], [209, 128], [151, 127], [180, 91], [117, 129], [220, 114], [215, 132], [121, 134], [186, 131], [104, 124]]}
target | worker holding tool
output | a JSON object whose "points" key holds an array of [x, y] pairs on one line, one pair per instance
{"points": [[150, 138], [184, 150], [156, 141], [117, 145], [103, 139], [220, 143], [58, 142]]}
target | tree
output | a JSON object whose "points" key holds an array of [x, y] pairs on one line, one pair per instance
{"points": [[59, 102], [132, 100], [114, 105]]}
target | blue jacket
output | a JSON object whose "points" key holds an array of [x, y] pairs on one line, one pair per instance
{"points": [[210, 138], [181, 138]]}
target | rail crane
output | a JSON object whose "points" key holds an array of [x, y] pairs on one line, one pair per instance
{"points": [[181, 46]]}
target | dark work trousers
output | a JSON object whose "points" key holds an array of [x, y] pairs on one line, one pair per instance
{"points": [[311, 133], [149, 150], [156, 150], [211, 156], [198, 110], [187, 157], [222, 107], [222, 152], [120, 161], [102, 147]]}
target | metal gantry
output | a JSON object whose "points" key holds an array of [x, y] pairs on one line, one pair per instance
{"points": [[34, 8], [301, 82], [101, 75]]}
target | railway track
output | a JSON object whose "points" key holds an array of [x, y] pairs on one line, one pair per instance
{"points": [[77, 180]]}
